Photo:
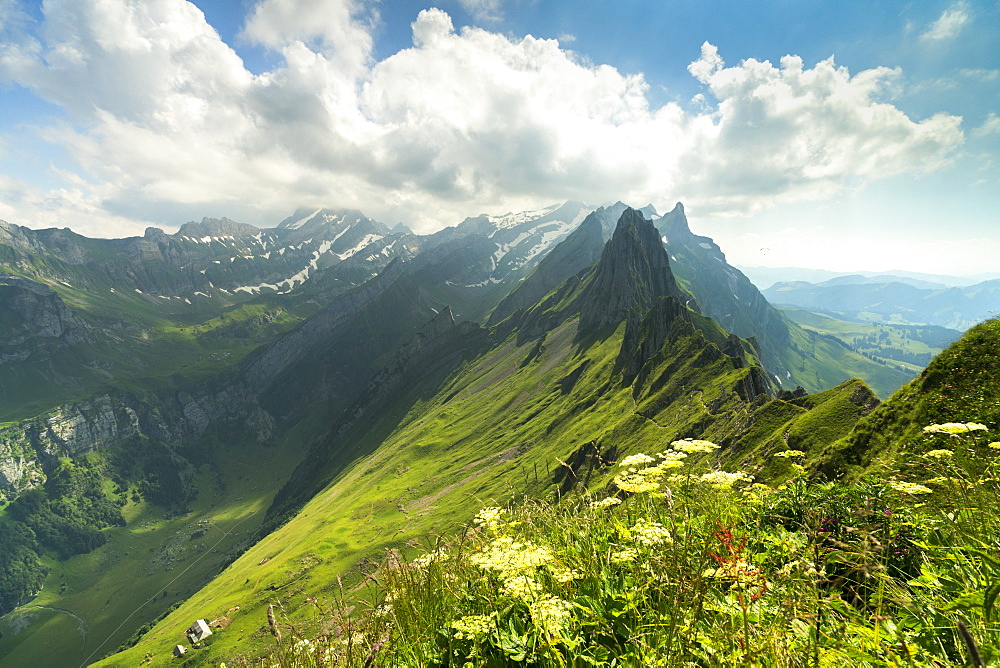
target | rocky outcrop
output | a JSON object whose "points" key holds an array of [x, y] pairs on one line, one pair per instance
{"points": [[722, 292], [645, 335], [35, 310], [633, 272], [32, 448]]}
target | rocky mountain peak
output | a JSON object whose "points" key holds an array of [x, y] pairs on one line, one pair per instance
{"points": [[674, 224], [216, 227], [633, 272]]}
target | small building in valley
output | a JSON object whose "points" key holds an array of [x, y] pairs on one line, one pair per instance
{"points": [[179, 650], [199, 631]]}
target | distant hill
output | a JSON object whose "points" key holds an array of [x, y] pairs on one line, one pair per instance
{"points": [[893, 302], [765, 277]]}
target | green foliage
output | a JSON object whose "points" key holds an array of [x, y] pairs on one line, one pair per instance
{"points": [[68, 514], [21, 573], [699, 569]]}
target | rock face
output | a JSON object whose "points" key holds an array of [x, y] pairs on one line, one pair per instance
{"points": [[633, 272], [30, 449], [722, 291], [645, 335], [34, 310]]}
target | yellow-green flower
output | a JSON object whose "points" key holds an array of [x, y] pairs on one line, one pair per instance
{"points": [[625, 556], [693, 445], [637, 482], [551, 614], [954, 428], [636, 461], [522, 587], [606, 502], [939, 454], [509, 557], [724, 479], [562, 575], [909, 487], [472, 627], [489, 517], [650, 533], [789, 453]]}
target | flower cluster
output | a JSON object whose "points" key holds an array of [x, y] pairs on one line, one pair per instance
{"points": [[551, 613], [724, 479], [489, 518], [939, 454], [692, 445], [509, 557], [633, 462], [909, 487], [624, 556], [520, 586], [473, 627], [954, 428], [650, 533], [606, 502], [640, 481]]}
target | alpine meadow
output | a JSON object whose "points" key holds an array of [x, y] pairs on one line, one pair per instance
{"points": [[759, 426]]}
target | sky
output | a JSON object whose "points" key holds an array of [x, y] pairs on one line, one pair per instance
{"points": [[843, 136]]}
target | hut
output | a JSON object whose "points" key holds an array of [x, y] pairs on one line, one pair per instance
{"points": [[199, 631]]}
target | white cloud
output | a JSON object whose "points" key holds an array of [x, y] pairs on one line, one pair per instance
{"points": [[164, 117], [488, 10], [789, 132], [989, 128], [949, 24], [335, 25], [981, 75]]}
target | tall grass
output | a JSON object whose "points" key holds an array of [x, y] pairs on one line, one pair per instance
{"points": [[680, 564]]}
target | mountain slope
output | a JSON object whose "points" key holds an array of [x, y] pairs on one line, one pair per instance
{"points": [[506, 414], [791, 354], [959, 385]]}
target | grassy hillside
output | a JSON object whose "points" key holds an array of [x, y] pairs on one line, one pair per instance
{"points": [[961, 385], [524, 419], [821, 361], [908, 348], [153, 563], [667, 560]]}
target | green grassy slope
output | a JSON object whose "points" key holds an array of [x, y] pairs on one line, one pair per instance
{"points": [[962, 384], [523, 419], [908, 348], [91, 603], [819, 361]]}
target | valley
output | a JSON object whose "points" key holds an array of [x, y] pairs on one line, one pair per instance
{"points": [[253, 437]]}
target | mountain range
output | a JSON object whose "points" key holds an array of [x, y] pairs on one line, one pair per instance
{"points": [[893, 301], [196, 421]]}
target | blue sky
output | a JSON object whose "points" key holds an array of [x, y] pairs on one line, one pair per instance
{"points": [[846, 136]]}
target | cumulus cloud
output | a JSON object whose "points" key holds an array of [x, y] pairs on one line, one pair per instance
{"points": [[163, 116], [948, 26], [791, 132]]}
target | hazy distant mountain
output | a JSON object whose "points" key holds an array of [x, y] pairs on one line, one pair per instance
{"points": [[893, 302], [765, 277]]}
